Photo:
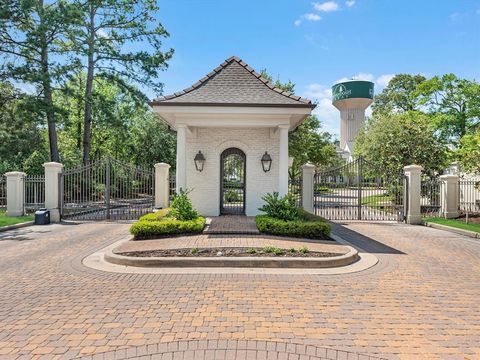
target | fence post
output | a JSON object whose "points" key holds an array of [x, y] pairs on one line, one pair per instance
{"points": [[52, 193], [15, 193], [308, 173], [449, 196], [413, 195], [162, 185]]}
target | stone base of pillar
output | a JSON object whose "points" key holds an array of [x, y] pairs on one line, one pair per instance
{"points": [[14, 213], [54, 215], [450, 215], [414, 219]]}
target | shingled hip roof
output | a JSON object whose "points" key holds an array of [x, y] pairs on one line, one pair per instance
{"points": [[233, 83]]}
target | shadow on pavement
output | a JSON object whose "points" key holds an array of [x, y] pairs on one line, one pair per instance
{"points": [[363, 242]]}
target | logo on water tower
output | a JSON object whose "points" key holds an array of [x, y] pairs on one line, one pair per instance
{"points": [[340, 91]]}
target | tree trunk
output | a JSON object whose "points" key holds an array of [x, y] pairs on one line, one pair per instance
{"points": [[47, 93], [87, 120]]}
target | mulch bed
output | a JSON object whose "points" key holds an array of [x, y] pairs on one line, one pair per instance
{"points": [[225, 252]]}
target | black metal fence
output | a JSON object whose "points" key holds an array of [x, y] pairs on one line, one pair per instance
{"points": [[430, 197], [469, 196], [107, 189], [172, 185], [3, 192], [34, 194], [359, 190], [295, 189]]}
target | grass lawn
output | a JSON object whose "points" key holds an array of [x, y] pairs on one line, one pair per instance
{"points": [[460, 224], [6, 220]]}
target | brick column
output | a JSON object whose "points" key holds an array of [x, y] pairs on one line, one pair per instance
{"points": [[412, 197], [162, 185], [15, 193], [52, 189], [308, 172], [449, 196]]}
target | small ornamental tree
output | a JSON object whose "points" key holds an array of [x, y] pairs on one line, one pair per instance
{"points": [[393, 141]]}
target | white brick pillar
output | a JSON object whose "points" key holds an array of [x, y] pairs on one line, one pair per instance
{"points": [[181, 173], [15, 193], [283, 160], [52, 189], [412, 197], [162, 185], [308, 173], [449, 196]]}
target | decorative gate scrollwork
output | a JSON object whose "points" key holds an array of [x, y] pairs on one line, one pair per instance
{"points": [[232, 182], [359, 191], [107, 189]]}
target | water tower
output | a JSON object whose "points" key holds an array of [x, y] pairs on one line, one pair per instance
{"points": [[352, 98]]}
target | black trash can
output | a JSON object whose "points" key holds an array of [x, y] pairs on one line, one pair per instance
{"points": [[42, 217]]}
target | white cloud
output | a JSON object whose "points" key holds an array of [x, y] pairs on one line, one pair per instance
{"points": [[350, 3], [102, 33], [384, 79], [308, 17], [326, 6], [322, 95], [312, 17], [326, 112]]}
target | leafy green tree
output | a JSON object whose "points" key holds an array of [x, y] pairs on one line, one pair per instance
{"points": [[308, 143], [454, 104], [20, 133], [125, 128], [30, 36], [106, 27], [399, 95], [392, 141], [468, 153]]}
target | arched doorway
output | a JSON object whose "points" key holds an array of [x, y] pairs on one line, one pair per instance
{"points": [[232, 182]]}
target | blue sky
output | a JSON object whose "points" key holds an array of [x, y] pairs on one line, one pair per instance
{"points": [[315, 44]]}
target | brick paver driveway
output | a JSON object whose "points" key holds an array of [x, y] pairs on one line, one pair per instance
{"points": [[421, 301]]}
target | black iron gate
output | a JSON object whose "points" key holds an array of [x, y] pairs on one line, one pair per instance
{"points": [[232, 182], [107, 189], [359, 191]]}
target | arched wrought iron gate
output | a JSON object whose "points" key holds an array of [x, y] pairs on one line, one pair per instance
{"points": [[359, 191], [106, 189], [232, 182]]}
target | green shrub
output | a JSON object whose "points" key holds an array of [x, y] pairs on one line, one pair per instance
{"points": [[252, 251], [304, 250], [232, 196], [194, 251], [282, 208], [157, 215], [181, 207], [268, 249], [146, 229], [311, 229]]}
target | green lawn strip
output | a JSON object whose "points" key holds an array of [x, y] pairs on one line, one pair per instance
{"points": [[377, 200], [7, 220], [459, 224]]}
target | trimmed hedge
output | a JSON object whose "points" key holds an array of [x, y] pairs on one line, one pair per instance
{"points": [[156, 216], [149, 229], [305, 227]]}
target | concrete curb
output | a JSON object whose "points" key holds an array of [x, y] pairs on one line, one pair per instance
{"points": [[468, 233], [17, 226], [245, 262]]}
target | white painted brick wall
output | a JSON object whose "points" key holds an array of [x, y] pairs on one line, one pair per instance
{"points": [[212, 142]]}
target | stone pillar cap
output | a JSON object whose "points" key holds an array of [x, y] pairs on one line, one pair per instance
{"points": [[413, 168], [308, 166], [449, 176], [15, 173], [52, 165], [162, 165]]}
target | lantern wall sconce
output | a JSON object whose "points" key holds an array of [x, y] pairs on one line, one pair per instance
{"points": [[266, 162], [199, 161]]}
